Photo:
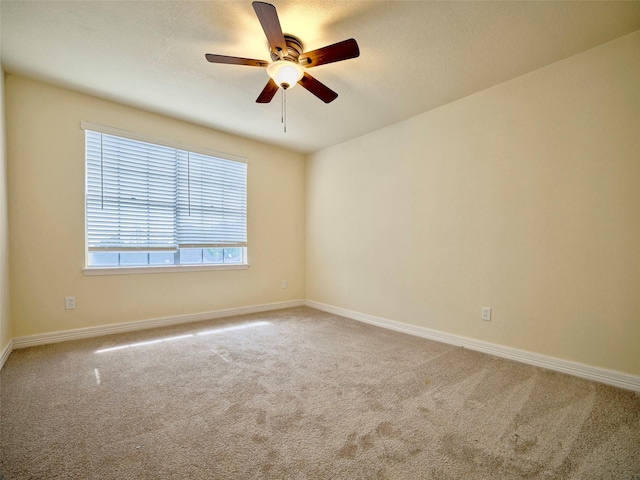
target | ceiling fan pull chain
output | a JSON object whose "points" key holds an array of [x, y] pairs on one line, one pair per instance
{"points": [[283, 114]]}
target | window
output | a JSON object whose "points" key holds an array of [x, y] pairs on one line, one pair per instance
{"points": [[151, 203]]}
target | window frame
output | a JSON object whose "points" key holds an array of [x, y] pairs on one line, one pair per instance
{"points": [[145, 269]]}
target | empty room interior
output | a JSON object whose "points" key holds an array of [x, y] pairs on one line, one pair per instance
{"points": [[419, 258]]}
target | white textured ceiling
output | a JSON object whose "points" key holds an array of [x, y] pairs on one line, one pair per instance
{"points": [[415, 56]]}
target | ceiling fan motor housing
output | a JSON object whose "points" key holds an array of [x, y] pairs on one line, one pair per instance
{"points": [[294, 49]]}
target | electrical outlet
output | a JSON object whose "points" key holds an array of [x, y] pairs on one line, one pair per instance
{"points": [[284, 284], [69, 303], [486, 314]]}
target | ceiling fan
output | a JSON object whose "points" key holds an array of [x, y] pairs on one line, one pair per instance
{"points": [[288, 60]]}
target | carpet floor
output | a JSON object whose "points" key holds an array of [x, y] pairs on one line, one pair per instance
{"points": [[302, 394]]}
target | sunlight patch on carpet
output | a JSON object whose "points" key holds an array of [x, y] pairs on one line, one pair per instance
{"points": [[180, 337]]}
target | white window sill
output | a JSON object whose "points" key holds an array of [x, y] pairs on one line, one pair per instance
{"points": [[161, 269]]}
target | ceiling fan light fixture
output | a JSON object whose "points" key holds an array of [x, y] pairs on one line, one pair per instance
{"points": [[288, 56], [285, 73]]}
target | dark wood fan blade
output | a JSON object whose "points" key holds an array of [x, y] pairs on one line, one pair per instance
{"points": [[271, 25], [319, 89], [235, 60], [268, 92], [332, 53]]}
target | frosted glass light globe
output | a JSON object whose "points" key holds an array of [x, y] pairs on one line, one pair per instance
{"points": [[285, 73]]}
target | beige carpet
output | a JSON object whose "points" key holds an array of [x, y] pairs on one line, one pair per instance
{"points": [[301, 394]]}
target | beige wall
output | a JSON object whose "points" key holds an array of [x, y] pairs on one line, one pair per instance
{"points": [[5, 325], [46, 211], [524, 198]]}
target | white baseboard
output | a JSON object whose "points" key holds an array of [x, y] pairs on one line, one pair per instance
{"points": [[610, 377], [88, 332], [5, 353]]}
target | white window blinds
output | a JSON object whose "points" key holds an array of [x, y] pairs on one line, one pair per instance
{"points": [[146, 196], [211, 202]]}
